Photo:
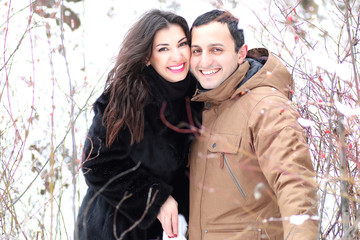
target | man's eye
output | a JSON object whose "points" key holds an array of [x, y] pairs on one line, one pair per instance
{"points": [[217, 50]]}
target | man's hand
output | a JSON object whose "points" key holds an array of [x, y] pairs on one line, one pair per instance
{"points": [[168, 216]]}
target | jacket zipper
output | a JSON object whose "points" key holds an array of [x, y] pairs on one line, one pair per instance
{"points": [[233, 177]]}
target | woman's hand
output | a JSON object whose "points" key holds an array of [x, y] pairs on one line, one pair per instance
{"points": [[168, 216]]}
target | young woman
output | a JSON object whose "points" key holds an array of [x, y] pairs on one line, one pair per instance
{"points": [[134, 165]]}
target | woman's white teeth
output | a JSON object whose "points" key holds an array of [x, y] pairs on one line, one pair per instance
{"points": [[209, 71], [177, 68]]}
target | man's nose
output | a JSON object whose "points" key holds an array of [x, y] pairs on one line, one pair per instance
{"points": [[205, 60]]}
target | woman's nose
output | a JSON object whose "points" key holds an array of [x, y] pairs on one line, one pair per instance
{"points": [[176, 55]]}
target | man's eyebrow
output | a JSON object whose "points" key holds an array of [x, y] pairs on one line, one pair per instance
{"points": [[216, 44], [210, 45]]}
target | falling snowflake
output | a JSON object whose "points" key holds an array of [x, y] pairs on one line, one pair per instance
{"points": [[347, 110], [257, 192], [305, 122], [298, 219]]}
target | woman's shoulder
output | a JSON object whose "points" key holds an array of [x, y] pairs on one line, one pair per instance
{"points": [[101, 103]]}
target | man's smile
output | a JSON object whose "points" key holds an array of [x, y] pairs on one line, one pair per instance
{"points": [[209, 72]]}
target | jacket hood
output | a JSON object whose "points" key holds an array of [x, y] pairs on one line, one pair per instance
{"points": [[260, 69]]}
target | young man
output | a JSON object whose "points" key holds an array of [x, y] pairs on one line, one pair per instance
{"points": [[250, 170]]}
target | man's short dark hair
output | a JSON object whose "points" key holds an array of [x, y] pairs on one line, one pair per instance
{"points": [[223, 17]]}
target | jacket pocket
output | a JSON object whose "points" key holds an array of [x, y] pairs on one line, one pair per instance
{"points": [[227, 144], [232, 234], [224, 143], [241, 189]]}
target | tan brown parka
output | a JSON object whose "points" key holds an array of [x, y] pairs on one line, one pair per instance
{"points": [[251, 173]]}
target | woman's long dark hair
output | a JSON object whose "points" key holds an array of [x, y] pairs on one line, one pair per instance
{"points": [[126, 85]]}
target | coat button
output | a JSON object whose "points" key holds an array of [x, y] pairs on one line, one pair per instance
{"points": [[214, 145]]}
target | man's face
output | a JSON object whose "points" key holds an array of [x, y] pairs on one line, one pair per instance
{"points": [[213, 57]]}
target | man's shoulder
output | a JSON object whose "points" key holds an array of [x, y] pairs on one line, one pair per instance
{"points": [[259, 100], [257, 95]]}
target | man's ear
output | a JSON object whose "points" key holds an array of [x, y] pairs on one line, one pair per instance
{"points": [[242, 53]]}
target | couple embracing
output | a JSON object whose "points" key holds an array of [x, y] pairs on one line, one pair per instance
{"points": [[232, 162]]}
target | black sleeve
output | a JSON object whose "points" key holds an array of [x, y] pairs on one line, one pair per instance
{"points": [[122, 182]]}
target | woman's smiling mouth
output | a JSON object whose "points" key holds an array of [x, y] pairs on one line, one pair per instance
{"points": [[177, 68]]}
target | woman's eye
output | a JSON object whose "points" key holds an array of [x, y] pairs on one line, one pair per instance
{"points": [[183, 44], [163, 49]]}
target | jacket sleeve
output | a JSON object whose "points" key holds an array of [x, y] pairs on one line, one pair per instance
{"points": [[128, 186], [284, 158], [122, 182]]}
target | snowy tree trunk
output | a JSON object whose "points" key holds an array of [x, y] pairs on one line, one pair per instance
{"points": [[345, 215]]}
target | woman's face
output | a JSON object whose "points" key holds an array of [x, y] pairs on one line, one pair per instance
{"points": [[171, 53]]}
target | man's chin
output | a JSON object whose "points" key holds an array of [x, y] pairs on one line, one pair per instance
{"points": [[207, 86]]}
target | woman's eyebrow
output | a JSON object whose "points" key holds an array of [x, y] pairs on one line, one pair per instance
{"points": [[182, 39], [166, 44], [162, 44]]}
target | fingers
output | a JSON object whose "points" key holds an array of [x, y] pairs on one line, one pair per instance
{"points": [[170, 224], [167, 227], [168, 216], [174, 221]]}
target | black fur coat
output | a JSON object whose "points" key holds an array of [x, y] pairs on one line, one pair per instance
{"points": [[127, 184]]}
